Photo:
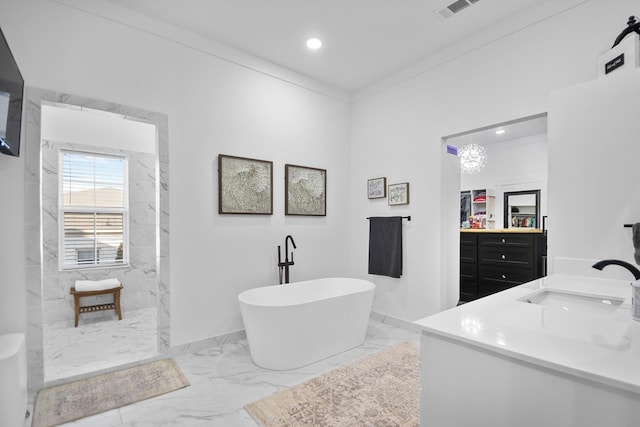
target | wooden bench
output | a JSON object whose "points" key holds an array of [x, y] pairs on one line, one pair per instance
{"points": [[115, 305]]}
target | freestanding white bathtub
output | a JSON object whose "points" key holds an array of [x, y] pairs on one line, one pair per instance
{"points": [[13, 380], [299, 323]]}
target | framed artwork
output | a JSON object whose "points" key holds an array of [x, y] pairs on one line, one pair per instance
{"points": [[305, 191], [399, 194], [377, 188], [244, 186]]}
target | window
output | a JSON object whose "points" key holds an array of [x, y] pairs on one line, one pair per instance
{"points": [[94, 212]]}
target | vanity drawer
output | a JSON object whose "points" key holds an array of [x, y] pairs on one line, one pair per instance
{"points": [[506, 240], [522, 257], [468, 289], [468, 254], [468, 239], [506, 275], [469, 271], [491, 287]]}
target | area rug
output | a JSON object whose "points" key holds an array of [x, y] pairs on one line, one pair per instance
{"points": [[90, 396], [380, 390]]}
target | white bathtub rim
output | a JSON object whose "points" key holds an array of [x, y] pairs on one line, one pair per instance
{"points": [[243, 296]]}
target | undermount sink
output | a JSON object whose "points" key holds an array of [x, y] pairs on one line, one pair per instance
{"points": [[572, 302]]}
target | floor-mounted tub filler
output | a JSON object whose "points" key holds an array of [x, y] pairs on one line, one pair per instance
{"points": [[293, 325], [13, 380]]}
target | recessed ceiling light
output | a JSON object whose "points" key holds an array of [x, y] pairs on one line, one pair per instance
{"points": [[314, 43], [500, 131]]}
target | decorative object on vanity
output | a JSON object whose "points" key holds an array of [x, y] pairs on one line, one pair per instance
{"points": [[381, 389], [377, 188], [625, 52], [284, 266], [305, 191], [244, 186], [632, 27], [473, 158], [635, 238], [399, 194], [385, 246], [90, 396]]}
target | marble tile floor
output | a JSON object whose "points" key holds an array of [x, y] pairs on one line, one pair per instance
{"points": [[98, 343], [224, 379]]}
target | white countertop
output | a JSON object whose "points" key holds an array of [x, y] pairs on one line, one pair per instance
{"points": [[604, 347]]}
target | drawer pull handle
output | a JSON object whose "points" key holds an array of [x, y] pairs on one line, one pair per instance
{"points": [[504, 240], [504, 256], [504, 277]]}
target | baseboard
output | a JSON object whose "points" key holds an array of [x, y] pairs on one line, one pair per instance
{"points": [[234, 337], [407, 325], [196, 346]]}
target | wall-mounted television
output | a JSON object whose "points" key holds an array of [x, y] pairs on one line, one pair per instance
{"points": [[11, 96]]}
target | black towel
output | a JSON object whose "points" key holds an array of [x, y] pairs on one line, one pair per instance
{"points": [[636, 241], [385, 246]]}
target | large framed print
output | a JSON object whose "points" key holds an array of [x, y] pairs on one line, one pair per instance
{"points": [[305, 191], [245, 186]]}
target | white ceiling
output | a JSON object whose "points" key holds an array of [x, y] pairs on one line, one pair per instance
{"points": [[364, 40], [516, 130]]}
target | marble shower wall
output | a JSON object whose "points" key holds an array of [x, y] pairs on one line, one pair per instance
{"points": [[139, 277], [33, 215]]}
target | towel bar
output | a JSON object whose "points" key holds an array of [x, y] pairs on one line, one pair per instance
{"points": [[408, 218]]}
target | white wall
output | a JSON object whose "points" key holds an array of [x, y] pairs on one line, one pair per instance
{"points": [[397, 131], [86, 126], [237, 107], [594, 174], [13, 296], [514, 165], [214, 106]]}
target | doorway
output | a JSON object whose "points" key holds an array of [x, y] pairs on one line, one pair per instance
{"points": [[49, 282], [516, 160], [99, 181]]}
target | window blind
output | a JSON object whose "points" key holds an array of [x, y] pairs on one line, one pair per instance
{"points": [[94, 214]]}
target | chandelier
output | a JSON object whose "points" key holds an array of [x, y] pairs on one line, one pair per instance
{"points": [[473, 159]]}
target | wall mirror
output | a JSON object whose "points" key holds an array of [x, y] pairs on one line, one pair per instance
{"points": [[522, 209]]}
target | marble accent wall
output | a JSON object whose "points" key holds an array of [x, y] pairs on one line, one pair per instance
{"points": [[139, 277], [31, 148]]}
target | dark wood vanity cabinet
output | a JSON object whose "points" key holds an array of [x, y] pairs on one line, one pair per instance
{"points": [[468, 267], [491, 262]]}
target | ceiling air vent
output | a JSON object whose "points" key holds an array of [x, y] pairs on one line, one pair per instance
{"points": [[455, 7]]}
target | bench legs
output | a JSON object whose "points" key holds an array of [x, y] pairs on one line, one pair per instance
{"points": [[76, 303], [98, 307]]}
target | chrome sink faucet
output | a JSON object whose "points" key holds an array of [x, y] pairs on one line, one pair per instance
{"points": [[284, 266], [602, 264]]}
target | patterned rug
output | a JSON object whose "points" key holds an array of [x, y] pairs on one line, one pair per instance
{"points": [[90, 396], [380, 390]]}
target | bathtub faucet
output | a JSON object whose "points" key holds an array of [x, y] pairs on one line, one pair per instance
{"points": [[284, 266]]}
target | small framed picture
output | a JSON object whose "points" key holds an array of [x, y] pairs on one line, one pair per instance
{"points": [[305, 191], [377, 188], [399, 194]]}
